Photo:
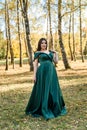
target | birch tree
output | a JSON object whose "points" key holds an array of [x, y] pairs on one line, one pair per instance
{"points": [[64, 57]]}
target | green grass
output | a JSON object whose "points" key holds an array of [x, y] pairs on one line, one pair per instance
{"points": [[15, 92]]}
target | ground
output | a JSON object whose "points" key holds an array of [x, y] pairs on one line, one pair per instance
{"points": [[15, 89]]}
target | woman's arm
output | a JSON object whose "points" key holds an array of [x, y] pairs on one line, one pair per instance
{"points": [[55, 57], [35, 64]]}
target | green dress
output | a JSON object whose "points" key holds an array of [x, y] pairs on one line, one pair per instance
{"points": [[46, 98]]}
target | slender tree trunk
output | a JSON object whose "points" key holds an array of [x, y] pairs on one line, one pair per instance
{"points": [[24, 11], [51, 47], [73, 32], [47, 31], [47, 27], [7, 54], [81, 51], [85, 49], [25, 42], [6, 35], [9, 37], [71, 55], [20, 45], [65, 61]]}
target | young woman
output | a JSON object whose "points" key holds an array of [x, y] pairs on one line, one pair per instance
{"points": [[46, 98]]}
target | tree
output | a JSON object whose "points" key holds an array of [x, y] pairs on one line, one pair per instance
{"points": [[81, 51], [65, 61], [26, 20], [9, 37], [74, 58], [9, 34], [6, 28], [50, 35], [71, 55], [20, 45]]}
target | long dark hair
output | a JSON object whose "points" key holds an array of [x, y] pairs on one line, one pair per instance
{"points": [[39, 43]]}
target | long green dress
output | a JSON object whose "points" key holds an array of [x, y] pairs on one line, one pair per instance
{"points": [[46, 98]]}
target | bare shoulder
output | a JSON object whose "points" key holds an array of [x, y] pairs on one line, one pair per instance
{"points": [[37, 52]]}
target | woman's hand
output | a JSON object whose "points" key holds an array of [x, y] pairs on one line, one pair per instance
{"points": [[55, 58], [34, 79]]}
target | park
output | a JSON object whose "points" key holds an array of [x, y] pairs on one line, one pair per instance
{"points": [[64, 25]]}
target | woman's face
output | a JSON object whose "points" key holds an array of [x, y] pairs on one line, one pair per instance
{"points": [[43, 45]]}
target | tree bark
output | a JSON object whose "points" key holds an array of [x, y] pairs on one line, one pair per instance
{"points": [[81, 51], [71, 55], [73, 31], [24, 11], [20, 45], [51, 47], [25, 42], [64, 57], [6, 35], [9, 37]]}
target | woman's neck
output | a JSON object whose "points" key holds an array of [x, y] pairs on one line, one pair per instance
{"points": [[44, 50]]}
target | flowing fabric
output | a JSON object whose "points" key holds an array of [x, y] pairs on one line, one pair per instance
{"points": [[46, 98]]}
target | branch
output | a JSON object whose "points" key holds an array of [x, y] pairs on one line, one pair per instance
{"points": [[73, 10]]}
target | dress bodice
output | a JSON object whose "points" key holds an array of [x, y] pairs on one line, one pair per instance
{"points": [[41, 56]]}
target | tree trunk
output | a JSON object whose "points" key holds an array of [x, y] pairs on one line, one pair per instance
{"points": [[25, 42], [9, 37], [7, 54], [73, 31], [81, 51], [47, 34], [65, 61], [20, 45], [85, 49], [71, 55], [51, 47], [6, 35], [24, 11]]}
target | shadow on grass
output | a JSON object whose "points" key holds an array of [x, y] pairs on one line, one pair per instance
{"points": [[62, 70], [17, 82], [27, 73], [26, 77], [18, 78], [68, 77]]}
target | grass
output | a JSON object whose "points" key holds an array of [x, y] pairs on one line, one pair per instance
{"points": [[15, 89]]}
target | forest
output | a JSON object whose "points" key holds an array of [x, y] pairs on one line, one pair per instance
{"points": [[64, 24]]}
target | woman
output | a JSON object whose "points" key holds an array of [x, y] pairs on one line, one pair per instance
{"points": [[46, 98]]}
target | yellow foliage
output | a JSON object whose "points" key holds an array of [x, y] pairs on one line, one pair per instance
{"points": [[34, 38]]}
